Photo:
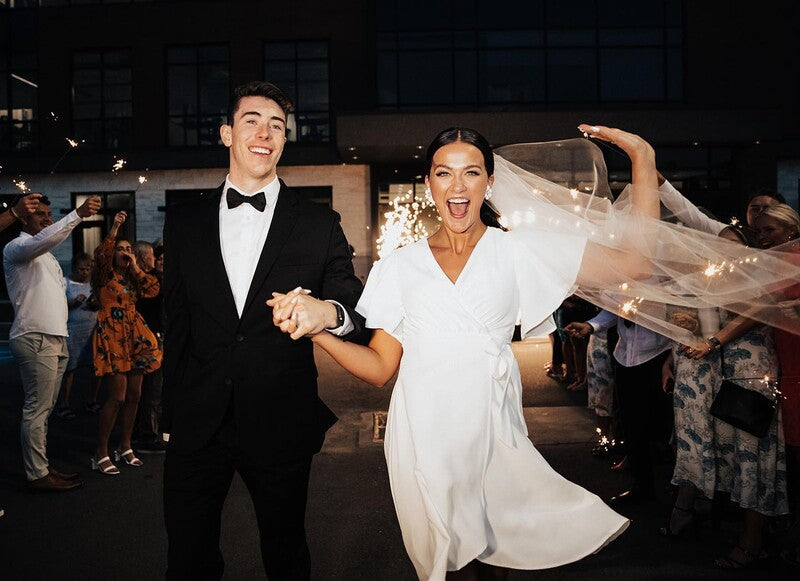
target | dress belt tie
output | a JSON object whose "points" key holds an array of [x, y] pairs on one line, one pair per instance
{"points": [[506, 405]]}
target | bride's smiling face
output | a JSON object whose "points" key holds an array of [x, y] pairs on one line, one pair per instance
{"points": [[458, 181]]}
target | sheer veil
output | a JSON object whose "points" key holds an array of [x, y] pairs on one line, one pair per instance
{"points": [[562, 186]]}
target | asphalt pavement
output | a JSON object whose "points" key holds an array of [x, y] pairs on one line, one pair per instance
{"points": [[112, 528]]}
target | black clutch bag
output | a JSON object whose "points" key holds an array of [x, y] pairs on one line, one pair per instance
{"points": [[743, 408]]}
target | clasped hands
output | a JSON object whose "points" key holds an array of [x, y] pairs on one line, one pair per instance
{"points": [[299, 314]]}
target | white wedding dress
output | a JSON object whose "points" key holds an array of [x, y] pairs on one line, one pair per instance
{"points": [[466, 481]]}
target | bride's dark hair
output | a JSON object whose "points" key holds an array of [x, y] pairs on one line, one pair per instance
{"points": [[466, 135]]}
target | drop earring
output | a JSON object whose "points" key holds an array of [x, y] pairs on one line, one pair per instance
{"points": [[489, 193]]}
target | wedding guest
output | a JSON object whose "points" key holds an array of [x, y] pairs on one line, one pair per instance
{"points": [[146, 431], [81, 321], [38, 335], [124, 347]]}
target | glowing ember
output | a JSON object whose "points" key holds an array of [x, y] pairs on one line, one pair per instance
{"points": [[142, 179], [22, 186], [118, 164]]}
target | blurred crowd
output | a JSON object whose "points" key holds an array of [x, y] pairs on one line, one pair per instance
{"points": [[653, 397], [99, 329]]}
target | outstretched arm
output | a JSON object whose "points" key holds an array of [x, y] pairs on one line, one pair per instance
{"points": [[301, 315], [644, 200], [375, 363]]}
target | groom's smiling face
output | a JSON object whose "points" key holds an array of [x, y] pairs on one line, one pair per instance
{"points": [[255, 140]]}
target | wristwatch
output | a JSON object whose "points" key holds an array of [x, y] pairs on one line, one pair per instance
{"points": [[714, 343], [339, 315]]}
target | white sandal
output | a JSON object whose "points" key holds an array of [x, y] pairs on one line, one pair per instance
{"points": [[109, 467], [129, 457]]}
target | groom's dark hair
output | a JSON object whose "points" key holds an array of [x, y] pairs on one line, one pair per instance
{"points": [[258, 89]]}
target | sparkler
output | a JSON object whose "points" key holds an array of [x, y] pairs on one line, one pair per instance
{"points": [[119, 163], [71, 144], [22, 186], [403, 225]]}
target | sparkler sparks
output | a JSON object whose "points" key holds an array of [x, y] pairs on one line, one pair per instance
{"points": [[118, 164], [71, 144], [142, 180], [22, 186], [403, 224]]}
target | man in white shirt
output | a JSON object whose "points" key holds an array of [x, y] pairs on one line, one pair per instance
{"points": [[39, 331], [645, 409]]}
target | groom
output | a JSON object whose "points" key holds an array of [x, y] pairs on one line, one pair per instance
{"points": [[239, 395]]}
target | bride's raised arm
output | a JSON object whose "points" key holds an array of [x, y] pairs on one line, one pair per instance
{"points": [[603, 265]]}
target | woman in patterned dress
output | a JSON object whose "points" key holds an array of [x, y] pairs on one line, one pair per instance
{"points": [[124, 347], [751, 470]]}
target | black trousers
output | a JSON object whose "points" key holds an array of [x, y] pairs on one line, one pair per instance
{"points": [[646, 414], [195, 487]]}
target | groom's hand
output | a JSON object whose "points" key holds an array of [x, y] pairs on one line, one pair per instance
{"points": [[300, 314]]}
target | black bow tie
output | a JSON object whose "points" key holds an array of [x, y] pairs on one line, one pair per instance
{"points": [[235, 199]]}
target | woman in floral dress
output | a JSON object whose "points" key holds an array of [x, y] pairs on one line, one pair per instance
{"points": [[751, 470], [124, 347]]}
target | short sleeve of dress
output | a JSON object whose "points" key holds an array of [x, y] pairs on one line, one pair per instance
{"points": [[381, 302], [546, 266]]}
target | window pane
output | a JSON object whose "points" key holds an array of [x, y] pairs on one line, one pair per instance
{"points": [[512, 76], [208, 130], [466, 77], [512, 38], [279, 50], [571, 75], [117, 92], [641, 36], [180, 55], [674, 74], [86, 59], [313, 96], [312, 71], [182, 90], [213, 54], [118, 133], [571, 38], [631, 74], [117, 58], [86, 110], [89, 130], [387, 79], [86, 77], [120, 109], [214, 89], [313, 127], [429, 40], [183, 131], [117, 76], [425, 78], [310, 50]]}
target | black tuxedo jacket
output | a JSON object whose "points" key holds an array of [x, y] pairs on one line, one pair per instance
{"points": [[213, 358]]}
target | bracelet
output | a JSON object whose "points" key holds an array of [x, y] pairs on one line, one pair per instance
{"points": [[713, 343], [14, 213]]}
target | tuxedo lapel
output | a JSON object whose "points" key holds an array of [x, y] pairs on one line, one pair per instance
{"points": [[219, 288], [283, 221]]}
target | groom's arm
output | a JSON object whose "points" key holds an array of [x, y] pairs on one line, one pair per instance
{"points": [[341, 284]]}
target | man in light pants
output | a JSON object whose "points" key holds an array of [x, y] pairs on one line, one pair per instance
{"points": [[38, 336]]}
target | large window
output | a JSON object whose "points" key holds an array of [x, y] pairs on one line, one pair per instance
{"points": [[197, 91], [300, 69], [19, 84], [102, 107], [542, 52]]}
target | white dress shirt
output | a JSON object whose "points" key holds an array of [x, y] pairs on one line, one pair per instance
{"points": [[35, 281], [242, 233], [636, 344]]}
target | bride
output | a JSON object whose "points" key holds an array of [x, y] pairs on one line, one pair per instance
{"points": [[472, 494]]}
